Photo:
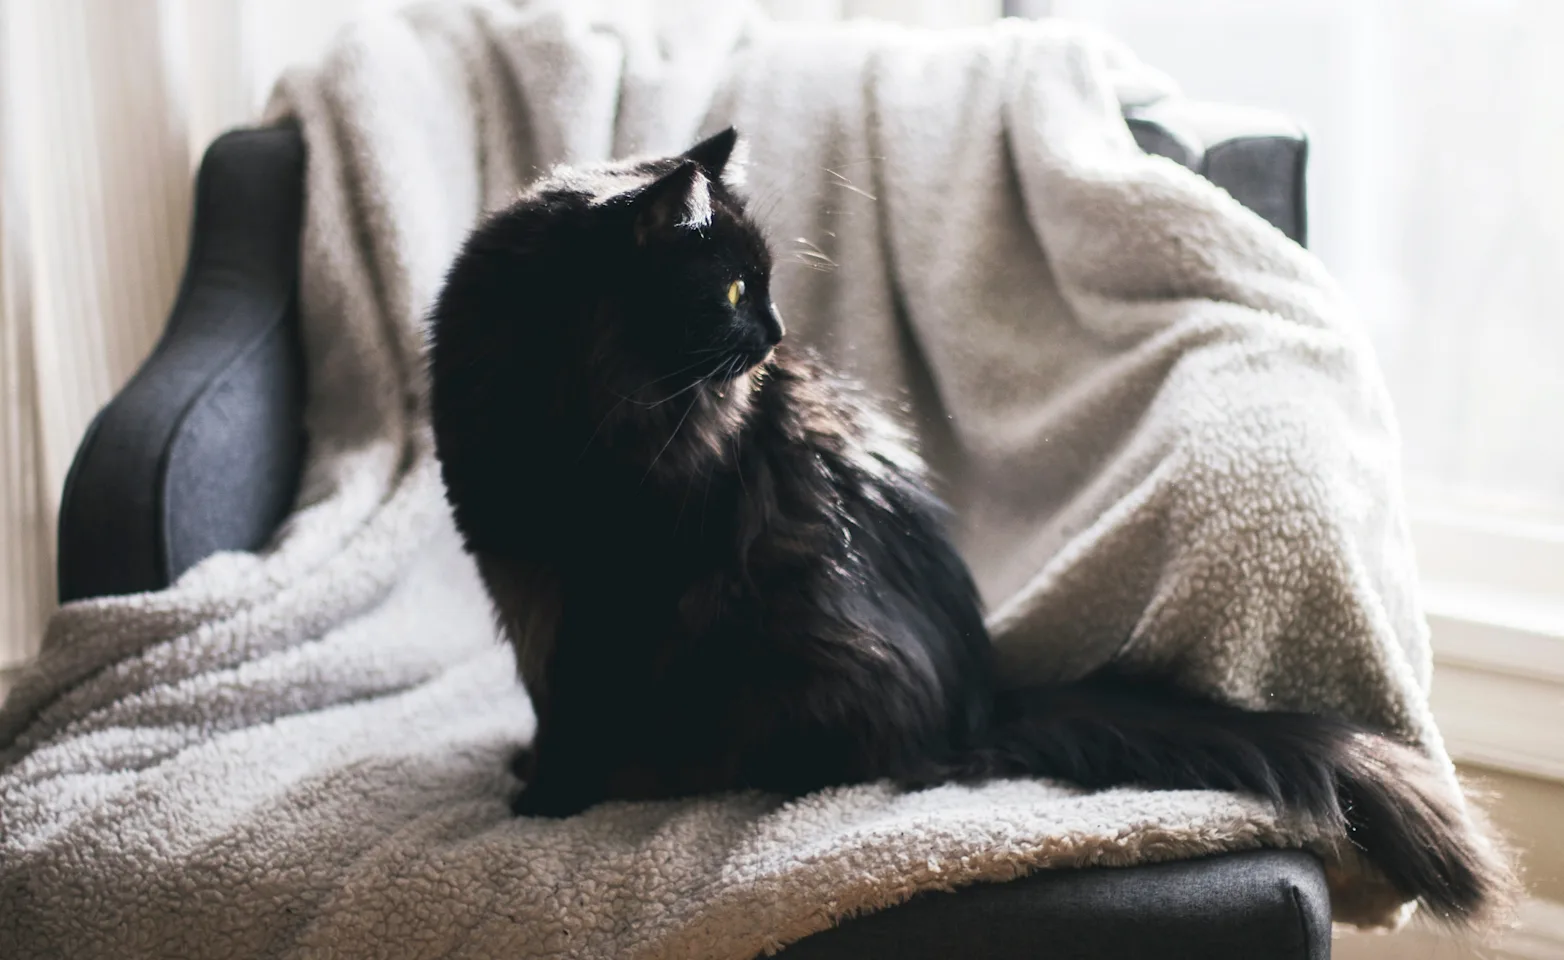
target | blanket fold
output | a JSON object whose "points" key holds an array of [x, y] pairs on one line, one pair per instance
{"points": [[1161, 429]]}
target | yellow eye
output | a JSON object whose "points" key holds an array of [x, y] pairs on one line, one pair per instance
{"points": [[735, 290]]}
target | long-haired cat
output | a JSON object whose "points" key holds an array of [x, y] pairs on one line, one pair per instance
{"points": [[720, 568]]}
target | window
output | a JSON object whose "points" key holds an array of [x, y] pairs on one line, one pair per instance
{"points": [[1438, 132]]}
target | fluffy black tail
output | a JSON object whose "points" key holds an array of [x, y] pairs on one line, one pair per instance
{"points": [[1388, 798]]}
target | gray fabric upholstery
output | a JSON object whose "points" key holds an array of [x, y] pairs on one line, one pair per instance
{"points": [[202, 449], [1259, 157], [1265, 174], [1271, 904]]}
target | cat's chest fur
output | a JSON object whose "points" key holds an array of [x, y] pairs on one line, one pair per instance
{"points": [[718, 550]]}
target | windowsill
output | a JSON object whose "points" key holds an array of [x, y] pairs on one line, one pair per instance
{"points": [[1538, 933], [1495, 719], [1493, 596]]}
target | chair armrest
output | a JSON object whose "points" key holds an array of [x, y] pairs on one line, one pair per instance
{"points": [[201, 451], [1263, 903], [1259, 157]]}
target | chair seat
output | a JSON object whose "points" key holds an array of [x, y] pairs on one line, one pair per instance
{"points": [[1269, 904]]}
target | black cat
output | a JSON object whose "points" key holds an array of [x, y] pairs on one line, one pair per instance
{"points": [[720, 568]]}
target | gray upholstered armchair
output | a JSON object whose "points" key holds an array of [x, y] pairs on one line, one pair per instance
{"points": [[202, 450]]}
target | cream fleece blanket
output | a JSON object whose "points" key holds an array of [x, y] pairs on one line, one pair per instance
{"points": [[1165, 437]]}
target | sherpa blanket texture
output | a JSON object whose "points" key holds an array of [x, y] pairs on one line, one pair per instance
{"points": [[1161, 429]]}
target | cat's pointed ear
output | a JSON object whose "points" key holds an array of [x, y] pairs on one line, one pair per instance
{"points": [[714, 152], [679, 199], [723, 156]]}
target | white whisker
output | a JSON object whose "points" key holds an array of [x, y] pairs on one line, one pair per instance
{"points": [[677, 427], [847, 184]]}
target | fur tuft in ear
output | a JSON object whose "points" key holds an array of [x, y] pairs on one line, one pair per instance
{"points": [[679, 198], [736, 173]]}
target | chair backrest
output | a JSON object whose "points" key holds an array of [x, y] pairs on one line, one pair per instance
{"points": [[202, 449], [1258, 156]]}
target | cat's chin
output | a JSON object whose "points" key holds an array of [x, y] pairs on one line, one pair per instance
{"points": [[754, 366]]}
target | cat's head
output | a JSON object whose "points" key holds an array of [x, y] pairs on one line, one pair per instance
{"points": [[629, 289], [696, 295], [654, 263]]}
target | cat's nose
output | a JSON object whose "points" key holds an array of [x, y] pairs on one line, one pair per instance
{"points": [[775, 328]]}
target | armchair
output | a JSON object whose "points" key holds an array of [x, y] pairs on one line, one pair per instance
{"points": [[201, 451]]}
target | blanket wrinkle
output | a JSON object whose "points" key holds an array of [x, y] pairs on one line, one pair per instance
{"points": [[1160, 427]]}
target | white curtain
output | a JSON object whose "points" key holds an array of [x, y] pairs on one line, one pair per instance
{"points": [[1436, 197]]}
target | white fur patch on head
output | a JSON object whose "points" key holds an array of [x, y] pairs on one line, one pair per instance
{"points": [[697, 206], [736, 173], [605, 182], [602, 182]]}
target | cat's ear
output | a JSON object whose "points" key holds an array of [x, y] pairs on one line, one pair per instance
{"points": [[714, 152], [723, 156], [679, 199]]}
